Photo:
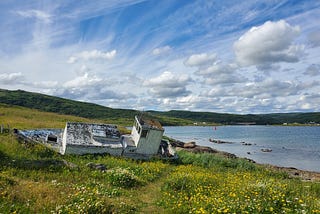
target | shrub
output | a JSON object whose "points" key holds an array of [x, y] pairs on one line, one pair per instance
{"points": [[123, 178], [208, 160]]}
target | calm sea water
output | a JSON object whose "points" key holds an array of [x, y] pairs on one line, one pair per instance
{"points": [[292, 146]]}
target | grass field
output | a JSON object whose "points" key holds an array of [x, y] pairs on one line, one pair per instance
{"points": [[34, 179]]}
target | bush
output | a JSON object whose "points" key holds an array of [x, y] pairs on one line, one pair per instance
{"points": [[208, 160], [123, 178]]}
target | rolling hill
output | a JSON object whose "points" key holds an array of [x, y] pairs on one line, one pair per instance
{"points": [[124, 116]]}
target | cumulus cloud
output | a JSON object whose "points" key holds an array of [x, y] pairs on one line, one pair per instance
{"points": [[200, 60], [38, 14], [92, 55], [217, 68], [313, 70], [314, 38], [13, 78], [271, 42], [168, 85], [269, 88], [312, 99], [220, 73], [216, 91], [88, 87], [225, 79], [82, 81], [161, 50]]}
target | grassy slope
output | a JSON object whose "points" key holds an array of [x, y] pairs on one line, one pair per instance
{"points": [[30, 182], [81, 109], [25, 118]]}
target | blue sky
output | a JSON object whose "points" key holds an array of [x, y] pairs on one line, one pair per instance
{"points": [[221, 56]]}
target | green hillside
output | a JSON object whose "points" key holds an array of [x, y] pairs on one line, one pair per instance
{"points": [[48, 103], [260, 119], [125, 116], [63, 106]]}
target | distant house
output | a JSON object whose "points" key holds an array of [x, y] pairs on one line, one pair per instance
{"points": [[144, 141]]}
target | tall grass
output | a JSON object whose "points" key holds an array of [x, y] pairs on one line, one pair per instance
{"points": [[206, 183], [218, 162]]}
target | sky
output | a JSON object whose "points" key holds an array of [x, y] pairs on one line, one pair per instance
{"points": [[253, 56]]}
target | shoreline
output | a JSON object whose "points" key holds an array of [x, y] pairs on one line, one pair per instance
{"points": [[304, 175]]}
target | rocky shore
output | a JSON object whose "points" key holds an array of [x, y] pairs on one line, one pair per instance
{"points": [[193, 147], [293, 172]]}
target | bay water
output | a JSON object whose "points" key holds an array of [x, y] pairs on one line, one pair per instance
{"points": [[290, 146]]}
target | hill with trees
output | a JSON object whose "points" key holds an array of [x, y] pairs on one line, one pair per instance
{"points": [[124, 116]]}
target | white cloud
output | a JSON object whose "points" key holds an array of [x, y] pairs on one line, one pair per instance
{"points": [[225, 79], [305, 102], [220, 73], [216, 91], [38, 14], [267, 68], [161, 50], [91, 88], [169, 92], [313, 70], [168, 85], [217, 68], [199, 60], [167, 79], [269, 88], [269, 43], [92, 55], [83, 81], [45, 84], [314, 38], [72, 59], [9, 79]]}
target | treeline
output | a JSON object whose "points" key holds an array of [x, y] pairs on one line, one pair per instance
{"points": [[233, 119], [88, 110]]}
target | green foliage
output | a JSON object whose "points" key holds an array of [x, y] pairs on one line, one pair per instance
{"points": [[194, 189], [123, 178], [231, 119], [208, 160], [197, 183], [64, 106], [87, 199]]}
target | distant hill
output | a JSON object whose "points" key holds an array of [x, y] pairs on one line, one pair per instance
{"points": [[63, 106], [233, 119], [81, 109], [88, 110]]}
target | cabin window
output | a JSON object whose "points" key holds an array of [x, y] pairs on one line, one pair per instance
{"points": [[144, 133], [52, 138]]}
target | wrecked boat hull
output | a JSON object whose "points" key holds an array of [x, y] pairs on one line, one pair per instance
{"points": [[81, 150], [144, 142]]}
